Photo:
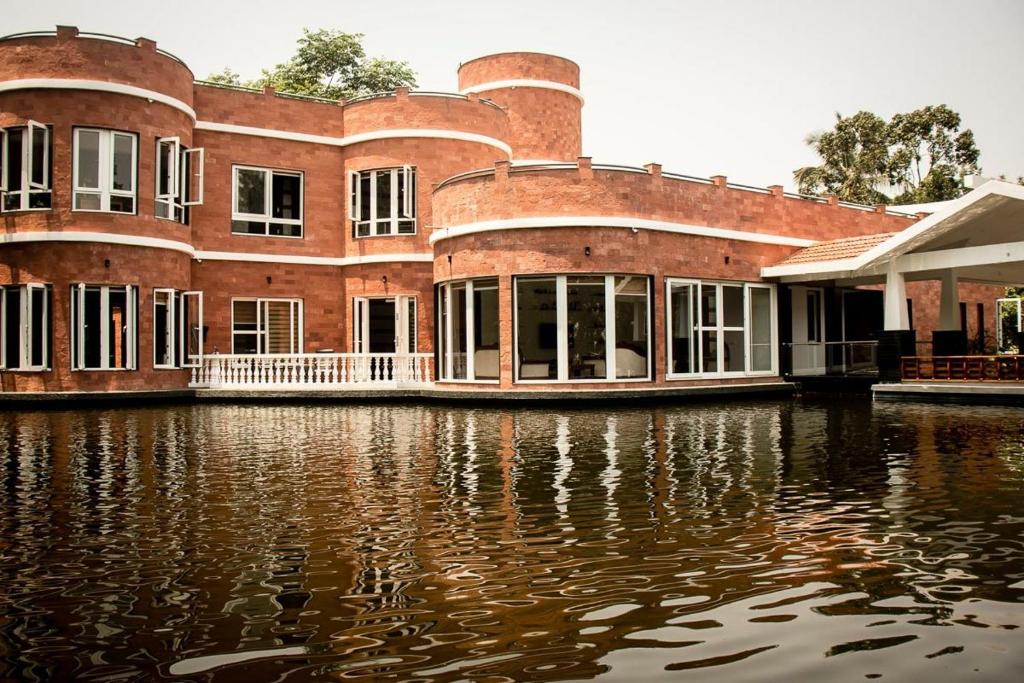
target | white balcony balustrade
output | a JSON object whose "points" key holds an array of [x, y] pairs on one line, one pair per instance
{"points": [[314, 371]]}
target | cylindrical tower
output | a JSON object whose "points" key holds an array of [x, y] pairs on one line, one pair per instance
{"points": [[543, 99]]}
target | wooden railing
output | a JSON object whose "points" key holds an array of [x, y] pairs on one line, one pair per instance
{"points": [[314, 371], [963, 368]]}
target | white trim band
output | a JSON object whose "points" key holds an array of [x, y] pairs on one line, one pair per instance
{"points": [[616, 222], [386, 134], [524, 83], [98, 86], [313, 260], [97, 237]]}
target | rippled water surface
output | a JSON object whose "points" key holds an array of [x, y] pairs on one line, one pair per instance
{"points": [[834, 540]]}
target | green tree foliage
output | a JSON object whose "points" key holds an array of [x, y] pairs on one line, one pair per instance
{"points": [[930, 155], [855, 160], [330, 64], [923, 156]]}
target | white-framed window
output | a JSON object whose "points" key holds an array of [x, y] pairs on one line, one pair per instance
{"points": [[104, 325], [384, 324], [582, 328], [719, 329], [382, 201], [179, 179], [468, 330], [178, 331], [266, 202], [261, 326], [25, 327], [26, 168], [104, 170]]}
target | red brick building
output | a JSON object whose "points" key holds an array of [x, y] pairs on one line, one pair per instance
{"points": [[160, 232]]}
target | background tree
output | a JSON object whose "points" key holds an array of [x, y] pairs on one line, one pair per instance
{"points": [[930, 155], [855, 160], [923, 156], [330, 64]]}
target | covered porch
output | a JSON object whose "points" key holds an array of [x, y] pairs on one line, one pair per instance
{"points": [[972, 244]]}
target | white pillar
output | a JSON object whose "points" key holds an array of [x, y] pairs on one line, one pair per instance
{"points": [[949, 304], [896, 315]]}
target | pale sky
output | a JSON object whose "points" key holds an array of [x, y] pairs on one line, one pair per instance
{"points": [[703, 88]]}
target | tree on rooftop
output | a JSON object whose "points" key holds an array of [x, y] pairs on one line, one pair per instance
{"points": [[855, 160], [330, 64]]}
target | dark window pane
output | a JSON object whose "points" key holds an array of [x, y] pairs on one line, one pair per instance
{"points": [[251, 192], [383, 195], [459, 331], [585, 300], [406, 227], [485, 333], [14, 138], [39, 200], [88, 161], [631, 349], [734, 350], [160, 329], [12, 202], [243, 343], [249, 227], [732, 306], [93, 327], [12, 327], [365, 193], [537, 323], [123, 163], [39, 328], [286, 191], [39, 156], [682, 330], [286, 229], [122, 204], [117, 329]]}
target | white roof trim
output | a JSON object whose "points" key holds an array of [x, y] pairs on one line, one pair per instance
{"points": [[901, 242], [100, 86], [354, 139], [615, 222], [524, 83]]}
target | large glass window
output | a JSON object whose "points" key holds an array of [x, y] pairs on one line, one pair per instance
{"points": [[266, 326], [25, 327], [720, 328], [104, 170], [468, 330], [25, 168], [266, 202], [177, 328], [103, 327], [179, 179], [582, 327], [383, 201]]}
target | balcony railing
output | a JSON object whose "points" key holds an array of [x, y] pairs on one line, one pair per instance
{"points": [[314, 371], [846, 359], [962, 368]]}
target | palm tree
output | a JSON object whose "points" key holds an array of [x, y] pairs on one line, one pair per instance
{"points": [[855, 160]]}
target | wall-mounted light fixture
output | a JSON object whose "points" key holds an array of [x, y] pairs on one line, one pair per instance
{"points": [[384, 279], [586, 251], [269, 279], [106, 263], [726, 260]]}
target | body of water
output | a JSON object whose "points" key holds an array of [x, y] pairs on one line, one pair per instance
{"points": [[789, 540]]}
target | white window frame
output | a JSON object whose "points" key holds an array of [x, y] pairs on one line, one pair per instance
{"points": [[404, 211], [170, 339], [562, 322], [105, 171], [24, 341], [268, 202], [185, 164], [185, 359], [361, 322], [27, 185], [78, 326], [698, 328], [295, 331], [446, 367]]}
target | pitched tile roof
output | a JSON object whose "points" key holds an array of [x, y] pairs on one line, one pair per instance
{"points": [[847, 247]]}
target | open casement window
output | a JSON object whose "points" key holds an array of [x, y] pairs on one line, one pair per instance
{"points": [[468, 330], [104, 323], [263, 326], [383, 201], [266, 202], [104, 170], [179, 179], [589, 328], [25, 327], [720, 329], [177, 329], [25, 168]]}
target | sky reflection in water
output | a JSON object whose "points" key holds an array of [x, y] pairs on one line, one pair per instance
{"points": [[751, 541]]}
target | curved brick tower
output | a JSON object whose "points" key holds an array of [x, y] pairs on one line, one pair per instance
{"points": [[543, 99]]}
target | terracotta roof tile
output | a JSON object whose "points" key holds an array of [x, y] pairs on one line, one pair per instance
{"points": [[847, 247]]}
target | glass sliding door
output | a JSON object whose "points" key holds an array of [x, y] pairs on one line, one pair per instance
{"points": [[582, 328], [468, 330], [485, 329], [720, 329]]}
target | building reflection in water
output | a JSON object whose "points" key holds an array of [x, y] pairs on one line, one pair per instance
{"points": [[441, 542]]}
